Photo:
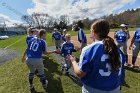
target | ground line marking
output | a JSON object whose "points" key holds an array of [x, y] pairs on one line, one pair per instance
{"points": [[13, 43]]}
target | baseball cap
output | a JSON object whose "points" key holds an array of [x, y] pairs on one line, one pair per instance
{"points": [[123, 25], [55, 29], [64, 30]]}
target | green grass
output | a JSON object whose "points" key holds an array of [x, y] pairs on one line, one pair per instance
{"points": [[73, 33], [116, 29], [13, 74]]}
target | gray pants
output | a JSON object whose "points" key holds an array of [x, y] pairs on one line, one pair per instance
{"points": [[58, 43], [136, 49], [34, 63], [123, 47], [86, 89]]}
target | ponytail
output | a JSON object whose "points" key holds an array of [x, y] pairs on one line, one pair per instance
{"points": [[41, 32], [112, 50]]}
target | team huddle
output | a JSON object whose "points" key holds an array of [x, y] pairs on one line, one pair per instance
{"points": [[101, 64], [122, 37]]}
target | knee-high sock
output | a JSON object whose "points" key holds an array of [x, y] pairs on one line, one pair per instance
{"points": [[31, 77], [43, 79]]}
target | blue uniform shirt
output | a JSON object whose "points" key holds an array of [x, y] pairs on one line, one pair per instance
{"points": [[95, 62], [64, 38], [121, 36], [29, 38], [36, 47], [82, 36], [137, 36], [67, 48], [56, 35]]}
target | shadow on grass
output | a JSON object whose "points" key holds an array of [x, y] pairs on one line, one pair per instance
{"points": [[125, 84], [135, 70], [76, 80], [53, 76]]}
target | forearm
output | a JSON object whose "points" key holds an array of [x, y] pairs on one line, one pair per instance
{"points": [[24, 54], [77, 70]]}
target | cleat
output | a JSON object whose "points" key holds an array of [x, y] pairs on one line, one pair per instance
{"points": [[45, 85], [32, 89]]}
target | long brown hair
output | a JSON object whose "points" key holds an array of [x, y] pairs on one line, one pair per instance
{"points": [[42, 32], [102, 28]]}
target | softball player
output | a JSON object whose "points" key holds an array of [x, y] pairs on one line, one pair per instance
{"points": [[101, 63], [37, 47], [67, 49], [136, 46], [64, 34], [32, 33], [122, 37], [57, 37], [82, 38], [81, 35]]}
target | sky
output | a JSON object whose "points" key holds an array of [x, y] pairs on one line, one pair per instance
{"points": [[12, 10]]}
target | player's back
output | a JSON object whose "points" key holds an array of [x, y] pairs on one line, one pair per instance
{"points": [[96, 65], [36, 47], [56, 35]]}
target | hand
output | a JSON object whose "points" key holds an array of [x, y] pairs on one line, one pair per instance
{"points": [[23, 59], [58, 51], [71, 58]]}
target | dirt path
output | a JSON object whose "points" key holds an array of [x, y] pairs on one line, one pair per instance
{"points": [[74, 39]]}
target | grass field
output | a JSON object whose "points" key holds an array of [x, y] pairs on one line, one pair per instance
{"points": [[13, 74], [88, 31]]}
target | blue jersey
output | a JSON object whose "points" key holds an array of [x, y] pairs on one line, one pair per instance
{"points": [[29, 38], [82, 36], [121, 36], [137, 36], [67, 48], [95, 62], [36, 47], [64, 38], [56, 35]]}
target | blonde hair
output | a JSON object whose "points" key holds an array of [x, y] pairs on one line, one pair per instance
{"points": [[68, 35]]}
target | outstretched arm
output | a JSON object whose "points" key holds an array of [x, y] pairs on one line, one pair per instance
{"points": [[76, 68]]}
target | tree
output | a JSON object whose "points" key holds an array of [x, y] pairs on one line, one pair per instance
{"points": [[28, 19]]}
